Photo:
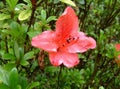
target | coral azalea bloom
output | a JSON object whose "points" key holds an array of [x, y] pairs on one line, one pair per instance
{"points": [[63, 43], [117, 46]]}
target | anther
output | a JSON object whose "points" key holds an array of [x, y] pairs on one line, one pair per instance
{"points": [[63, 45], [73, 38], [58, 49], [68, 41]]}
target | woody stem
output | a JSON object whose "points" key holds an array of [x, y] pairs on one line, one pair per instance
{"points": [[59, 76]]}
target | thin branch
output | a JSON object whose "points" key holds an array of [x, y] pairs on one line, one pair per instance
{"points": [[58, 86]]}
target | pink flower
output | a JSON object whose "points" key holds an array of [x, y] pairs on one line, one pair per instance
{"points": [[117, 46], [63, 43]]}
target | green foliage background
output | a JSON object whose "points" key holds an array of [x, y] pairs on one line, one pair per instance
{"points": [[20, 20]]}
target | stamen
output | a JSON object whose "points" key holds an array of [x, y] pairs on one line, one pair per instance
{"points": [[63, 45], [58, 49], [71, 40], [67, 42]]}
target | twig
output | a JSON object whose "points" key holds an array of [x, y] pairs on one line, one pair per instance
{"points": [[58, 86]]}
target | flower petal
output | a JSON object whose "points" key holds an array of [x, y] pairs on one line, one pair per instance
{"points": [[45, 41], [67, 59], [117, 47], [83, 44], [67, 23]]}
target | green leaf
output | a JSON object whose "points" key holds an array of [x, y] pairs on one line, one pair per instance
{"points": [[12, 3], [23, 82], [81, 1], [33, 33], [32, 85], [56, 1], [21, 51], [4, 16], [51, 70], [13, 79], [3, 86], [68, 2], [29, 55], [3, 76], [24, 62], [51, 18], [25, 14], [18, 87], [14, 30], [101, 87], [28, 2], [9, 66], [43, 14], [16, 50], [8, 56]]}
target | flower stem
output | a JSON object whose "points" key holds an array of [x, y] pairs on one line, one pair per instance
{"points": [[58, 86]]}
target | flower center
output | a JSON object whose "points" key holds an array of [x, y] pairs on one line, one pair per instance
{"points": [[68, 41]]}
